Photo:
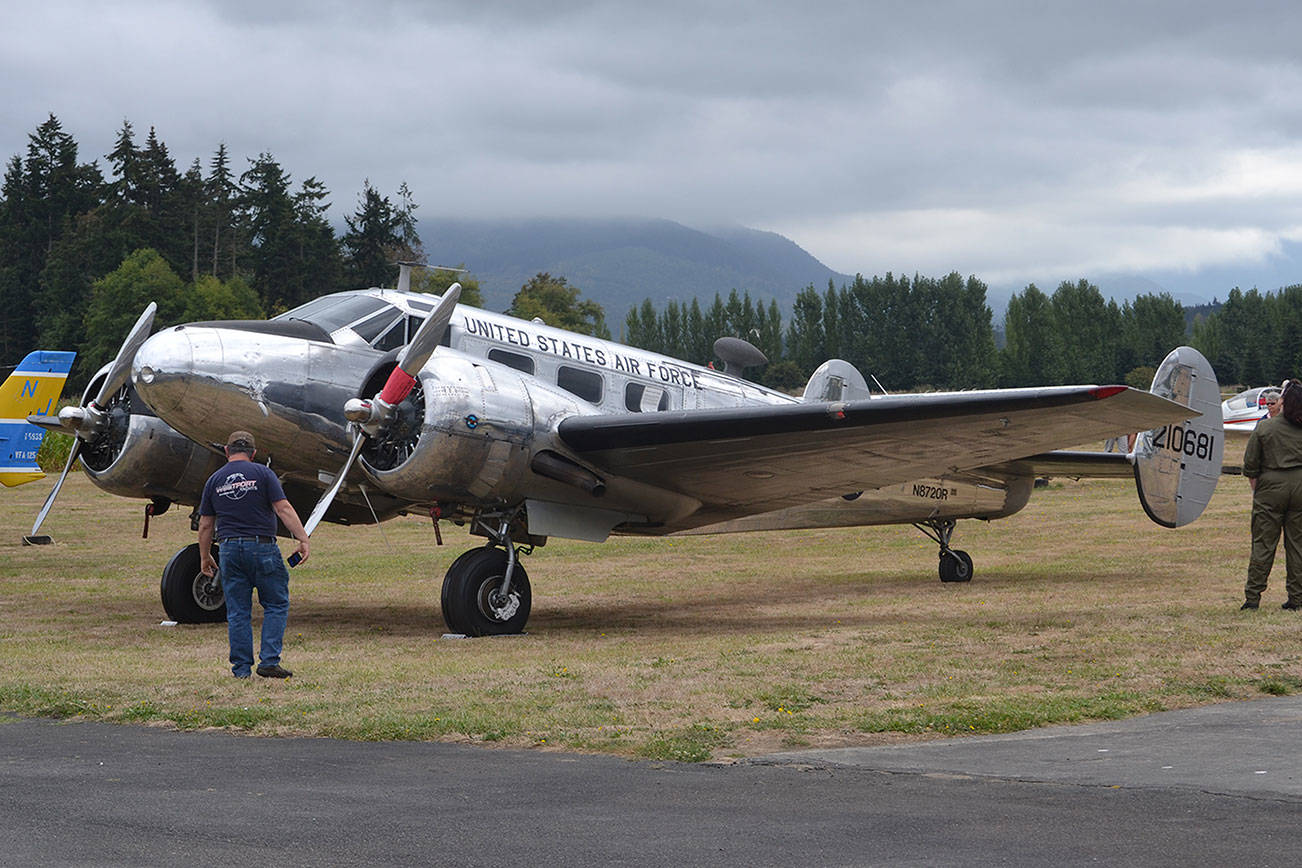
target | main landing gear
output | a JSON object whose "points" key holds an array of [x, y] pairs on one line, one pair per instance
{"points": [[486, 591], [190, 597], [955, 565]]}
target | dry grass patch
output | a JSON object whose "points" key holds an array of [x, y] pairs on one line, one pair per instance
{"points": [[687, 649]]}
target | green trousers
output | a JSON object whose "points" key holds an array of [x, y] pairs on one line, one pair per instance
{"points": [[1276, 507]]}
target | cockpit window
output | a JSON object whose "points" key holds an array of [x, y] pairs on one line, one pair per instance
{"points": [[392, 339], [333, 312], [371, 327]]}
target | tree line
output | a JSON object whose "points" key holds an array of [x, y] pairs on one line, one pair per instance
{"points": [[925, 332]]}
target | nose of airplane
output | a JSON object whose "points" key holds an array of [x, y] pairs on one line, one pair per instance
{"points": [[163, 370]]}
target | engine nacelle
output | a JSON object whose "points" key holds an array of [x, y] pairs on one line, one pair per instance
{"points": [[137, 454], [466, 433]]}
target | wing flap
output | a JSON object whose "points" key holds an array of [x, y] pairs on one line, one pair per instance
{"points": [[1074, 464]]}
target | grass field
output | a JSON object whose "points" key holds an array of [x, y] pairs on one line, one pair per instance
{"points": [[689, 649]]}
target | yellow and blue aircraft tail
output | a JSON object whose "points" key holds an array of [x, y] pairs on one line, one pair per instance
{"points": [[32, 389]]}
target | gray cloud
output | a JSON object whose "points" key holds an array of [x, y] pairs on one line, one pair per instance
{"points": [[1023, 140]]}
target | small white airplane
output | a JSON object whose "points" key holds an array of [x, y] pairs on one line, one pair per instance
{"points": [[377, 403], [1242, 412]]}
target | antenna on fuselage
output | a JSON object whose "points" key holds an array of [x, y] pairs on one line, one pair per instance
{"points": [[405, 267]]}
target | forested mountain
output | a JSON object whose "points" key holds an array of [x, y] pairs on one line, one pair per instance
{"points": [[621, 262]]}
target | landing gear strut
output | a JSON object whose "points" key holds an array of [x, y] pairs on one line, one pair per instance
{"points": [[486, 591], [955, 565]]}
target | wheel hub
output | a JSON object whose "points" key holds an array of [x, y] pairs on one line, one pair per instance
{"points": [[208, 592], [495, 604]]}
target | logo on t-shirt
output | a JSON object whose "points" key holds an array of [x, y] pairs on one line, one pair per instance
{"points": [[235, 486]]}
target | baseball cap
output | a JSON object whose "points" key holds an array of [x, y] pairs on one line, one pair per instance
{"points": [[241, 441]]}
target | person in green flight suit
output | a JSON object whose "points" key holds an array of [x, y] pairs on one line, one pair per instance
{"points": [[1272, 462]]}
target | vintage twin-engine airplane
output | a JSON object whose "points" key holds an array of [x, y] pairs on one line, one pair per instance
{"points": [[32, 389], [381, 402]]}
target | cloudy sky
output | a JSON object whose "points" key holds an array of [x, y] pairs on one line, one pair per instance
{"points": [[1018, 141]]}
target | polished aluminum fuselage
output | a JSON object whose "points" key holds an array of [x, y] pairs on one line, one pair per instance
{"points": [[484, 421]]}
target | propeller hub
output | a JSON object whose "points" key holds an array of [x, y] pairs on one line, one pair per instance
{"points": [[80, 420], [359, 410]]}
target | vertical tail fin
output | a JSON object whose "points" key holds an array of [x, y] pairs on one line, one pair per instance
{"points": [[32, 389], [1177, 466]]}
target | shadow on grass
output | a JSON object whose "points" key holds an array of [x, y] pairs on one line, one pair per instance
{"points": [[767, 606]]}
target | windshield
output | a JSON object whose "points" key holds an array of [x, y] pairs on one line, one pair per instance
{"points": [[333, 312]]}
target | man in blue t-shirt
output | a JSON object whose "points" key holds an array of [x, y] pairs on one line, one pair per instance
{"points": [[240, 505]]}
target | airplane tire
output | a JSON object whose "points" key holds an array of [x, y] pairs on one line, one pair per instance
{"points": [[955, 566], [190, 597], [468, 595]]}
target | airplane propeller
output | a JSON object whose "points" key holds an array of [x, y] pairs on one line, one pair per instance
{"points": [[87, 422], [367, 416]]}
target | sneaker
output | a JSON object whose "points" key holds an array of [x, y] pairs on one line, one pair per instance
{"points": [[276, 671], [1247, 605], [1291, 606], [241, 674]]}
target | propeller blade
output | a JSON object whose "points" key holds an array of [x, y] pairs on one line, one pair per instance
{"points": [[117, 374], [54, 492], [319, 511], [422, 346]]}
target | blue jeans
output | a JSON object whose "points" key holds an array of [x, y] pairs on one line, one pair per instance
{"points": [[245, 565]]}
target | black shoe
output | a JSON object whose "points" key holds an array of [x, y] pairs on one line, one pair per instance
{"points": [[1291, 606], [1247, 605], [276, 671]]}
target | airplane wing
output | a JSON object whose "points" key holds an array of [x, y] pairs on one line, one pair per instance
{"points": [[744, 460]]}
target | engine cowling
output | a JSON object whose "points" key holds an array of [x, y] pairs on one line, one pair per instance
{"points": [[139, 455], [464, 434]]}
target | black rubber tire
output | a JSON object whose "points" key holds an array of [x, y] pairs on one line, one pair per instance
{"points": [[955, 566], [472, 578], [190, 597]]}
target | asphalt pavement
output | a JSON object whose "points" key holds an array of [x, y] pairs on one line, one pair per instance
{"points": [[1215, 785]]}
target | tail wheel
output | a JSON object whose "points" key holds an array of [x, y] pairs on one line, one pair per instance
{"points": [[190, 597], [472, 600], [955, 566]]}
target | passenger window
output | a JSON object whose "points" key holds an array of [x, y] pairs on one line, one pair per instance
{"points": [[645, 399], [586, 384], [519, 361]]}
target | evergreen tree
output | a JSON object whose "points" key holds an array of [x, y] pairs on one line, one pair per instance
{"points": [[1151, 326], [40, 199], [222, 192], [378, 236], [834, 302], [1031, 342], [698, 344], [1088, 328], [806, 341]]}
